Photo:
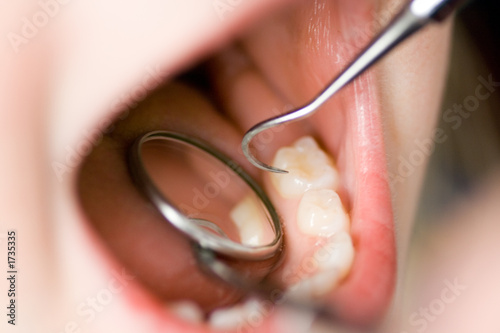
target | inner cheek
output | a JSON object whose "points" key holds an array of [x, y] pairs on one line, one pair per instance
{"points": [[302, 50], [152, 249]]}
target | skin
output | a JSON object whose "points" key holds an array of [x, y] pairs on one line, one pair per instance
{"points": [[58, 89]]}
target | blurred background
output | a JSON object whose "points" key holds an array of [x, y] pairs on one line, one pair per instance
{"points": [[472, 149], [454, 265]]}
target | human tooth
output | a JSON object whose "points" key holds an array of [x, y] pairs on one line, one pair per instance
{"points": [[313, 179], [321, 213], [237, 316], [186, 310], [251, 221], [333, 261], [336, 255], [226, 319], [315, 286], [308, 168]]}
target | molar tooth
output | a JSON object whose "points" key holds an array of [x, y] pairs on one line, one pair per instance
{"points": [[315, 286], [251, 221], [309, 168], [186, 310], [336, 255], [321, 213], [334, 260]]}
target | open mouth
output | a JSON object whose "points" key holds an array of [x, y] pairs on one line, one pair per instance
{"points": [[279, 64]]}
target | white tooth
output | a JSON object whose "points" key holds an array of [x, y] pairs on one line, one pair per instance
{"points": [[187, 310], [309, 168], [336, 255], [226, 319], [251, 221], [315, 286], [251, 312], [334, 260], [321, 213]]}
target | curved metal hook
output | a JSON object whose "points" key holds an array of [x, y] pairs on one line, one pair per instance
{"points": [[413, 17], [270, 123]]}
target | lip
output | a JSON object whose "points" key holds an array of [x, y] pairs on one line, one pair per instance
{"points": [[365, 295], [359, 150]]}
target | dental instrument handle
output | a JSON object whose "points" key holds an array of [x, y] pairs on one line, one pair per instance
{"points": [[438, 10], [414, 16]]}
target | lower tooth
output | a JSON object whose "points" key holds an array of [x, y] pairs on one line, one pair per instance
{"points": [[226, 319], [333, 261], [315, 286], [313, 178], [321, 213], [337, 254], [237, 316], [187, 311]]}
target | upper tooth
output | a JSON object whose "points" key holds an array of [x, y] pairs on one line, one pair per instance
{"points": [[321, 212], [251, 221], [309, 168]]}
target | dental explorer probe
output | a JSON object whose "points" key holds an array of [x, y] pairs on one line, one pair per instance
{"points": [[415, 15]]}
